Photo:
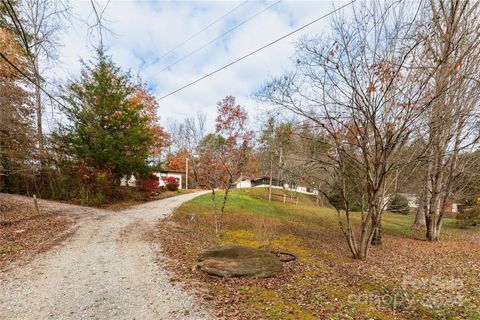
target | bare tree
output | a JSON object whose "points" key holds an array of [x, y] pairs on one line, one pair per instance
{"points": [[37, 25], [189, 132], [188, 135], [358, 87], [451, 52], [267, 141]]}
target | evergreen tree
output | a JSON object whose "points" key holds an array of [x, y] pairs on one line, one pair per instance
{"points": [[108, 126]]}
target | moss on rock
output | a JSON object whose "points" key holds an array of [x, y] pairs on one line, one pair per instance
{"points": [[239, 261]]}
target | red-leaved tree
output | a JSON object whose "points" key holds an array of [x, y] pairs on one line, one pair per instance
{"points": [[223, 154]]}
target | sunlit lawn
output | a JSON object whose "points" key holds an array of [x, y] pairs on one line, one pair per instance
{"points": [[326, 282]]}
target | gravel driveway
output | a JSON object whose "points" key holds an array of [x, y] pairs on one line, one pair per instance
{"points": [[106, 270]]}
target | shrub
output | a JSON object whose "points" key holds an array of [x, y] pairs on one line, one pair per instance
{"points": [[60, 185], [171, 183], [398, 204], [336, 200], [89, 197], [95, 185], [469, 215], [150, 183]]}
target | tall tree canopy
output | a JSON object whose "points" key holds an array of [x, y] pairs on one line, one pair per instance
{"points": [[111, 121], [17, 136], [356, 88]]}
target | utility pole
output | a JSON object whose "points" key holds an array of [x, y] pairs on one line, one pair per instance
{"points": [[186, 173]]}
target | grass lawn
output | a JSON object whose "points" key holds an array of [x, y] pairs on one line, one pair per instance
{"points": [[405, 278]]}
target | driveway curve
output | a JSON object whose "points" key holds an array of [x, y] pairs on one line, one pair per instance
{"points": [[106, 270]]}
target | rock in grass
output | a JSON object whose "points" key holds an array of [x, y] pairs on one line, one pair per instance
{"points": [[192, 217], [239, 261]]}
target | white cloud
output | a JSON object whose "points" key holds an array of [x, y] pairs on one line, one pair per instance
{"points": [[145, 30]]}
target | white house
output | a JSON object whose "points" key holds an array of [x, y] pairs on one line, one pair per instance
{"points": [[264, 182], [245, 182], [413, 201], [132, 182], [164, 174]]}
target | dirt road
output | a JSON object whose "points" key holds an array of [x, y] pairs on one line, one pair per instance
{"points": [[106, 270]]}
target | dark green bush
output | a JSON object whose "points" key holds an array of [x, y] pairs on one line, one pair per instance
{"points": [[469, 216], [82, 184], [398, 204]]}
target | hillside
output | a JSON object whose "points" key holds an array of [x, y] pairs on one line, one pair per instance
{"points": [[325, 281]]}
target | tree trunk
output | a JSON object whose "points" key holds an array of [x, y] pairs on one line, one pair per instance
{"points": [[433, 220], [38, 108], [215, 214], [219, 223], [376, 216], [4, 173], [420, 220], [434, 227], [279, 165], [271, 173], [432, 231], [365, 241], [377, 233], [195, 176], [3, 166]]}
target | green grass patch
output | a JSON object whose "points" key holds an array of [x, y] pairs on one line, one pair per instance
{"points": [[320, 284], [253, 202]]}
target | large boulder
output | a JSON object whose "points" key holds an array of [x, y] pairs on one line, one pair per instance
{"points": [[238, 261]]}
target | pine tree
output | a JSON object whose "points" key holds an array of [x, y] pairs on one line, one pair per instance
{"points": [[108, 126]]}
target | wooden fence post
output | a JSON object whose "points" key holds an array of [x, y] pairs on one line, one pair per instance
{"points": [[36, 203]]}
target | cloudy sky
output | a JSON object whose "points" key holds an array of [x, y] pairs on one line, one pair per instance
{"points": [[144, 31]]}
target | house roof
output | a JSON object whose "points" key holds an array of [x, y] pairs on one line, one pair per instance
{"points": [[242, 179], [252, 178], [168, 171]]}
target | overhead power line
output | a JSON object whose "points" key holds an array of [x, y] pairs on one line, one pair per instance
{"points": [[220, 36], [16, 22], [255, 51], [193, 36], [29, 79]]}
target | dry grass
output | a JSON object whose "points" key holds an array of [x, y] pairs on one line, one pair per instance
{"points": [[405, 278], [128, 197], [23, 231]]}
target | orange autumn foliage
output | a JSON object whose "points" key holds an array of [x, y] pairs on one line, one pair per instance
{"points": [[17, 136], [142, 99], [176, 161], [12, 50]]}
